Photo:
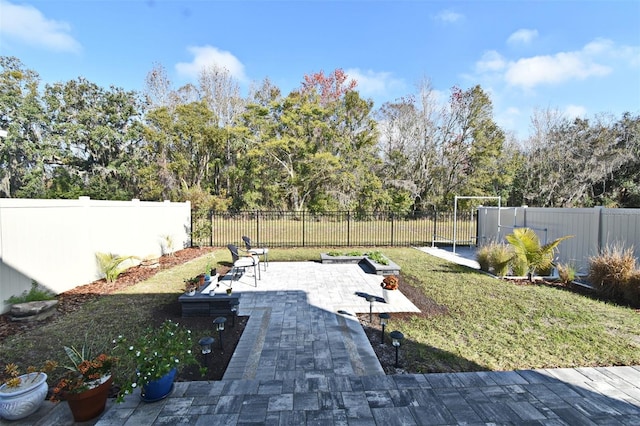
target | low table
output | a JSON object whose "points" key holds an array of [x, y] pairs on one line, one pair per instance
{"points": [[202, 304]]}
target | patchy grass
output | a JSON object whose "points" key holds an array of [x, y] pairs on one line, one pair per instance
{"points": [[487, 324]]}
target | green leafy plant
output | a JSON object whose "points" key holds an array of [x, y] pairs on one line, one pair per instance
{"points": [[36, 294], [527, 250], [378, 257], [112, 265], [156, 352], [86, 372]]}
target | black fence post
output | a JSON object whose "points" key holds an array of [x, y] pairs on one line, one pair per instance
{"points": [[258, 240], [303, 229], [392, 217], [348, 228]]}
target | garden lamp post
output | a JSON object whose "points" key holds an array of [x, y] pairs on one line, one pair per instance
{"points": [[234, 313], [371, 299], [219, 322], [384, 317], [205, 348], [396, 338]]}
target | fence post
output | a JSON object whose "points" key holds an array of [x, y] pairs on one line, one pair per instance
{"points": [[392, 217], [435, 227], [303, 229], [258, 240], [210, 227], [348, 228]]}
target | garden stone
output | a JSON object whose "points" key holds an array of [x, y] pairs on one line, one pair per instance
{"points": [[33, 311]]}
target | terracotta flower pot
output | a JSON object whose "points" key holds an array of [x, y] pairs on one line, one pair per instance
{"points": [[89, 404]]}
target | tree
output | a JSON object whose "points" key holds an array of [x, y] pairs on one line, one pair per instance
{"points": [[24, 152], [95, 134]]}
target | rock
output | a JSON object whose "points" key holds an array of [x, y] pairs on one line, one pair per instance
{"points": [[33, 311]]}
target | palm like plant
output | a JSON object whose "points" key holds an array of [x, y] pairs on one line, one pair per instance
{"points": [[527, 249], [112, 265]]}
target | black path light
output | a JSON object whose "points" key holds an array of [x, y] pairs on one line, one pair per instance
{"points": [[219, 323], [384, 317], [396, 338], [205, 344], [371, 299], [234, 313]]}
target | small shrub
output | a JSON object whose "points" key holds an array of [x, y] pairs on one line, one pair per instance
{"points": [[519, 267], [611, 270], [499, 259], [567, 272], [483, 257], [36, 294], [632, 289]]}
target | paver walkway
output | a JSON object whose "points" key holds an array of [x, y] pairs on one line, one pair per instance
{"points": [[304, 359]]}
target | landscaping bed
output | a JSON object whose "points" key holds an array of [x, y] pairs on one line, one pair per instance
{"points": [[72, 300]]}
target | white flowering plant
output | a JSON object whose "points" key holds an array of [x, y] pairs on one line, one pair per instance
{"points": [[155, 353]]}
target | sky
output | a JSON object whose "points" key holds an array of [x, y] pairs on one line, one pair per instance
{"points": [[581, 58]]}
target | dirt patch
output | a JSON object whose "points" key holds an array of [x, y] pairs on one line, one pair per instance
{"points": [[386, 353]]}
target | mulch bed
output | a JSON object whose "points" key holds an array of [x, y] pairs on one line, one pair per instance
{"points": [[71, 300]]}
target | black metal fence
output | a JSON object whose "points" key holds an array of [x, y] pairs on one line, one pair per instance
{"points": [[335, 229]]}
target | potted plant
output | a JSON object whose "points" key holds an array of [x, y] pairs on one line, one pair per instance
{"points": [[22, 394], [158, 355], [86, 384], [191, 285], [389, 288]]}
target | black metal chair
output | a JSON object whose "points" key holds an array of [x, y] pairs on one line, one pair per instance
{"points": [[243, 262], [258, 251]]}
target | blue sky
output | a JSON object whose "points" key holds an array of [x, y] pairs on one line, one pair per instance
{"points": [[579, 57]]}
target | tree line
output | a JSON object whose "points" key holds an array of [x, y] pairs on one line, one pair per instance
{"points": [[321, 147]]}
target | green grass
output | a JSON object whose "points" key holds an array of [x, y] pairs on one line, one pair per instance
{"points": [[490, 323]]}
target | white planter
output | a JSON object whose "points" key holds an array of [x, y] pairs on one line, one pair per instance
{"points": [[20, 402], [390, 296]]}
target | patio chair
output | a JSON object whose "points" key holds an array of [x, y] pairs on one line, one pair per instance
{"points": [[242, 263], [258, 251]]}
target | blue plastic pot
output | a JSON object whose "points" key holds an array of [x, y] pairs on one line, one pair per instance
{"points": [[160, 388]]}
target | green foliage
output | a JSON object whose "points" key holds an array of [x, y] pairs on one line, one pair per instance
{"points": [[35, 294], [378, 257], [482, 257], [156, 352], [112, 265], [528, 251], [500, 258]]}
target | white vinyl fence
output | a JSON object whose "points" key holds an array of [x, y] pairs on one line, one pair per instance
{"points": [[592, 229], [54, 242]]}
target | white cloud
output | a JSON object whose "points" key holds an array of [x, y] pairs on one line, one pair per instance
{"points": [[491, 61], [553, 69], [522, 36], [206, 56], [372, 83], [27, 24], [575, 111], [449, 16]]}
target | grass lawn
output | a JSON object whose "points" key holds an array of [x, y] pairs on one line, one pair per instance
{"points": [[488, 323]]}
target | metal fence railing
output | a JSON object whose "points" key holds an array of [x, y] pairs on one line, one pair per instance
{"points": [[334, 229]]}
